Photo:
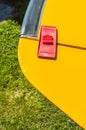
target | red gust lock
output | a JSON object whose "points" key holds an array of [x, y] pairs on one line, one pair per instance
{"points": [[47, 43]]}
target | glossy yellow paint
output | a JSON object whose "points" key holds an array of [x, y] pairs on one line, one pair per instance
{"points": [[62, 81], [69, 17]]}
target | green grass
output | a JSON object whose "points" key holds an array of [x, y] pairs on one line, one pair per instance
{"points": [[21, 106]]}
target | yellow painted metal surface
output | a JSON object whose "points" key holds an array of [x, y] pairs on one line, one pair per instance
{"points": [[69, 17], [62, 81]]}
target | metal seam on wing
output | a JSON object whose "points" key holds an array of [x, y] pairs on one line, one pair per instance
{"points": [[32, 19]]}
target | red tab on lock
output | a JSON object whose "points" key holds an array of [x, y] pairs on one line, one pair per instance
{"points": [[47, 43]]}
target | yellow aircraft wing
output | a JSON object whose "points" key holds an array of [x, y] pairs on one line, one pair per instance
{"points": [[61, 80]]}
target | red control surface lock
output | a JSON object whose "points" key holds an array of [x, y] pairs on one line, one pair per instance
{"points": [[47, 43]]}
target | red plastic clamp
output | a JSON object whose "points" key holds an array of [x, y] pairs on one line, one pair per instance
{"points": [[47, 43]]}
